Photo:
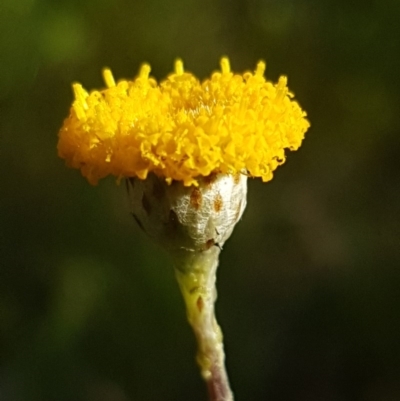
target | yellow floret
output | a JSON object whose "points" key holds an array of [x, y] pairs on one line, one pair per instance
{"points": [[182, 128]]}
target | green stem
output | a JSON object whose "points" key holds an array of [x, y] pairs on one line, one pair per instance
{"points": [[196, 275]]}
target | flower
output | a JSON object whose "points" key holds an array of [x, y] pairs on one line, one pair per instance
{"points": [[186, 148], [182, 129]]}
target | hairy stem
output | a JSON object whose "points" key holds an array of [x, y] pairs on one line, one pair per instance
{"points": [[196, 275]]}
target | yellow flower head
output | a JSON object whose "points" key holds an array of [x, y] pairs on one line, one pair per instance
{"points": [[182, 128]]}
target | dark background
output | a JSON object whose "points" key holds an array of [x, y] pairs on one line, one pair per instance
{"points": [[309, 282]]}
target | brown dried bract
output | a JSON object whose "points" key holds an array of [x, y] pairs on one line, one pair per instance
{"points": [[196, 198], [210, 179], [236, 178], [218, 203]]}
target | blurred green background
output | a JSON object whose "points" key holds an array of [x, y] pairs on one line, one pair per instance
{"points": [[309, 296]]}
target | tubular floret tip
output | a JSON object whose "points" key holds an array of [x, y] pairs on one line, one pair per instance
{"points": [[260, 68], [144, 71], [179, 70], [225, 65], [108, 77]]}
